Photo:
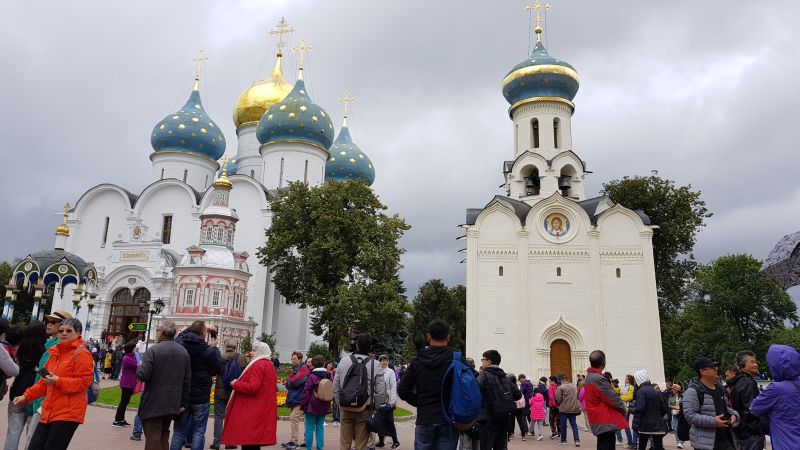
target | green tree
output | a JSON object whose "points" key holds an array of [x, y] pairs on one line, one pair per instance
{"points": [[679, 213], [318, 349], [5, 276], [246, 345], [437, 301], [333, 249], [732, 306], [268, 339]]}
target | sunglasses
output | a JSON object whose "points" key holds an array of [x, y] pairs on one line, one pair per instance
{"points": [[67, 331]]}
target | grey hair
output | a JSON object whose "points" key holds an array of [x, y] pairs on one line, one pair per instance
{"points": [[741, 358], [74, 323], [167, 329]]}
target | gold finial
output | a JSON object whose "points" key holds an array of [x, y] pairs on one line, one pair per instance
{"points": [[346, 100], [63, 228], [538, 7], [301, 56], [283, 28], [199, 61], [223, 181]]}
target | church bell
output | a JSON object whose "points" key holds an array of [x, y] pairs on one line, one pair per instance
{"points": [[564, 182]]}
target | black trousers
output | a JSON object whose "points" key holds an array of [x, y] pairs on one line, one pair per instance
{"points": [[53, 435], [656, 438], [522, 420], [607, 440], [124, 399], [390, 427], [493, 433]]}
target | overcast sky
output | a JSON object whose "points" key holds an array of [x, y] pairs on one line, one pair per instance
{"points": [[700, 91]]}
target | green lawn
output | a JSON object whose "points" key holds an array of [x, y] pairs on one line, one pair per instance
{"points": [[111, 396]]}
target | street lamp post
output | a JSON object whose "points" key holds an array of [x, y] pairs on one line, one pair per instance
{"points": [[158, 306]]}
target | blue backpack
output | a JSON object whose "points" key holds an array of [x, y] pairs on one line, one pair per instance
{"points": [[464, 405], [231, 371]]}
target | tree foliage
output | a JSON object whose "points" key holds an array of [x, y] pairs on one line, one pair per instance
{"points": [[318, 349], [269, 339], [5, 276], [246, 345], [679, 213], [437, 301], [731, 307], [333, 249]]}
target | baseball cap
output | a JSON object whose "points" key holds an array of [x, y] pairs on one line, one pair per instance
{"points": [[58, 314], [702, 363]]}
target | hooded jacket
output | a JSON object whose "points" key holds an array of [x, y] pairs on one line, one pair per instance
{"points": [[66, 400], [295, 384], [780, 402], [206, 362], [421, 385], [650, 409], [309, 403], [489, 378]]}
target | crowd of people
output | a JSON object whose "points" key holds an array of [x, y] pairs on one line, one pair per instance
{"points": [[55, 376]]}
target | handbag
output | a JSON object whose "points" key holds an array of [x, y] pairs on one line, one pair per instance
{"points": [[376, 423]]}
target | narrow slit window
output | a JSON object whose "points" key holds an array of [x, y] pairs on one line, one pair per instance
{"points": [[206, 185], [535, 133], [556, 132], [558, 271], [185, 175], [252, 174], [619, 272], [305, 173], [105, 232], [500, 271], [280, 175], [166, 229], [162, 174]]}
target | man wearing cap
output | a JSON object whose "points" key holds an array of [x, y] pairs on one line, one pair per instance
{"points": [[705, 407], [52, 321]]}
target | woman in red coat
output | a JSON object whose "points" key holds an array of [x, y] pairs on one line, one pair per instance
{"points": [[252, 416]]}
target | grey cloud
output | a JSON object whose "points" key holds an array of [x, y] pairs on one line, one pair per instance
{"points": [[701, 91]]}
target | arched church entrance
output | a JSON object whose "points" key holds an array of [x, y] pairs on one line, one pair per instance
{"points": [[561, 358], [125, 310]]}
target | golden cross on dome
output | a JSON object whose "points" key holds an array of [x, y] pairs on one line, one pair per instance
{"points": [[199, 61], [225, 160], [301, 56], [538, 19], [346, 100], [66, 212], [283, 28]]}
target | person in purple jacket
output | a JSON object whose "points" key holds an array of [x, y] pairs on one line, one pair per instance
{"points": [[780, 402], [314, 408], [127, 382]]}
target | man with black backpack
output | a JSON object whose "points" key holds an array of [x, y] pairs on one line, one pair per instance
{"points": [[421, 386], [235, 363], [352, 390], [706, 409], [499, 395]]}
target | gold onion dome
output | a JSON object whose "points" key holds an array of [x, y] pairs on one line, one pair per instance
{"points": [[259, 96]]}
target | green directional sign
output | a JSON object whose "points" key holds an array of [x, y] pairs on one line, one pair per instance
{"points": [[137, 326]]}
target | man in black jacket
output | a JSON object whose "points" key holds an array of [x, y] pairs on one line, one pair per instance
{"points": [[166, 369], [751, 430], [206, 362], [499, 394], [421, 386]]}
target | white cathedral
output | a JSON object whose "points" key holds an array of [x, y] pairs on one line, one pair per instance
{"points": [[138, 242], [551, 274]]}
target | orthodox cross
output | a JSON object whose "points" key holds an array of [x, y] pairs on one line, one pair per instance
{"points": [[199, 60], [301, 56], [66, 212], [283, 28], [538, 7], [346, 100]]}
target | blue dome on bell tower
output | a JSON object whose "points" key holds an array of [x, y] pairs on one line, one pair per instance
{"points": [[540, 77]]}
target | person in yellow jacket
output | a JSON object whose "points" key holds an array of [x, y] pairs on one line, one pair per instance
{"points": [[626, 395], [108, 367]]}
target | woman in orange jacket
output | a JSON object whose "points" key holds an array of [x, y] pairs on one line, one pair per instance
{"points": [[69, 373]]}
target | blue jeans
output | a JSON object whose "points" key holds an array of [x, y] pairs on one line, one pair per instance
{"points": [[197, 414], [315, 426], [564, 418], [17, 422], [440, 436], [630, 433], [137, 426]]}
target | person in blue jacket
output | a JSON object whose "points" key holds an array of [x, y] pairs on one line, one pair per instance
{"points": [[780, 402]]}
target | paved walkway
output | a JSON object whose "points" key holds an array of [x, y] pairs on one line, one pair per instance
{"points": [[97, 433]]}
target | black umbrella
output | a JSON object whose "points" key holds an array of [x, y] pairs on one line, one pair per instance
{"points": [[783, 262]]}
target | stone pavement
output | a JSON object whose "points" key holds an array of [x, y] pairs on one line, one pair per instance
{"points": [[97, 433]]}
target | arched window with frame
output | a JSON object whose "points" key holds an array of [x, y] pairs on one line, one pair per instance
{"points": [[500, 271], [557, 132]]}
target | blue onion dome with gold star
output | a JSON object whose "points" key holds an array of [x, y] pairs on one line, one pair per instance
{"points": [[189, 130], [347, 161], [540, 77], [296, 118]]}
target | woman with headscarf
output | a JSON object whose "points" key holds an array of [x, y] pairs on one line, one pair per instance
{"points": [[251, 418], [650, 409]]}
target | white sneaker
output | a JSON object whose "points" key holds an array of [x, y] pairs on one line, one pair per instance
{"points": [[539, 438], [680, 445]]}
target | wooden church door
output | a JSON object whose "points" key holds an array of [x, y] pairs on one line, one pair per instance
{"points": [[561, 358]]}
